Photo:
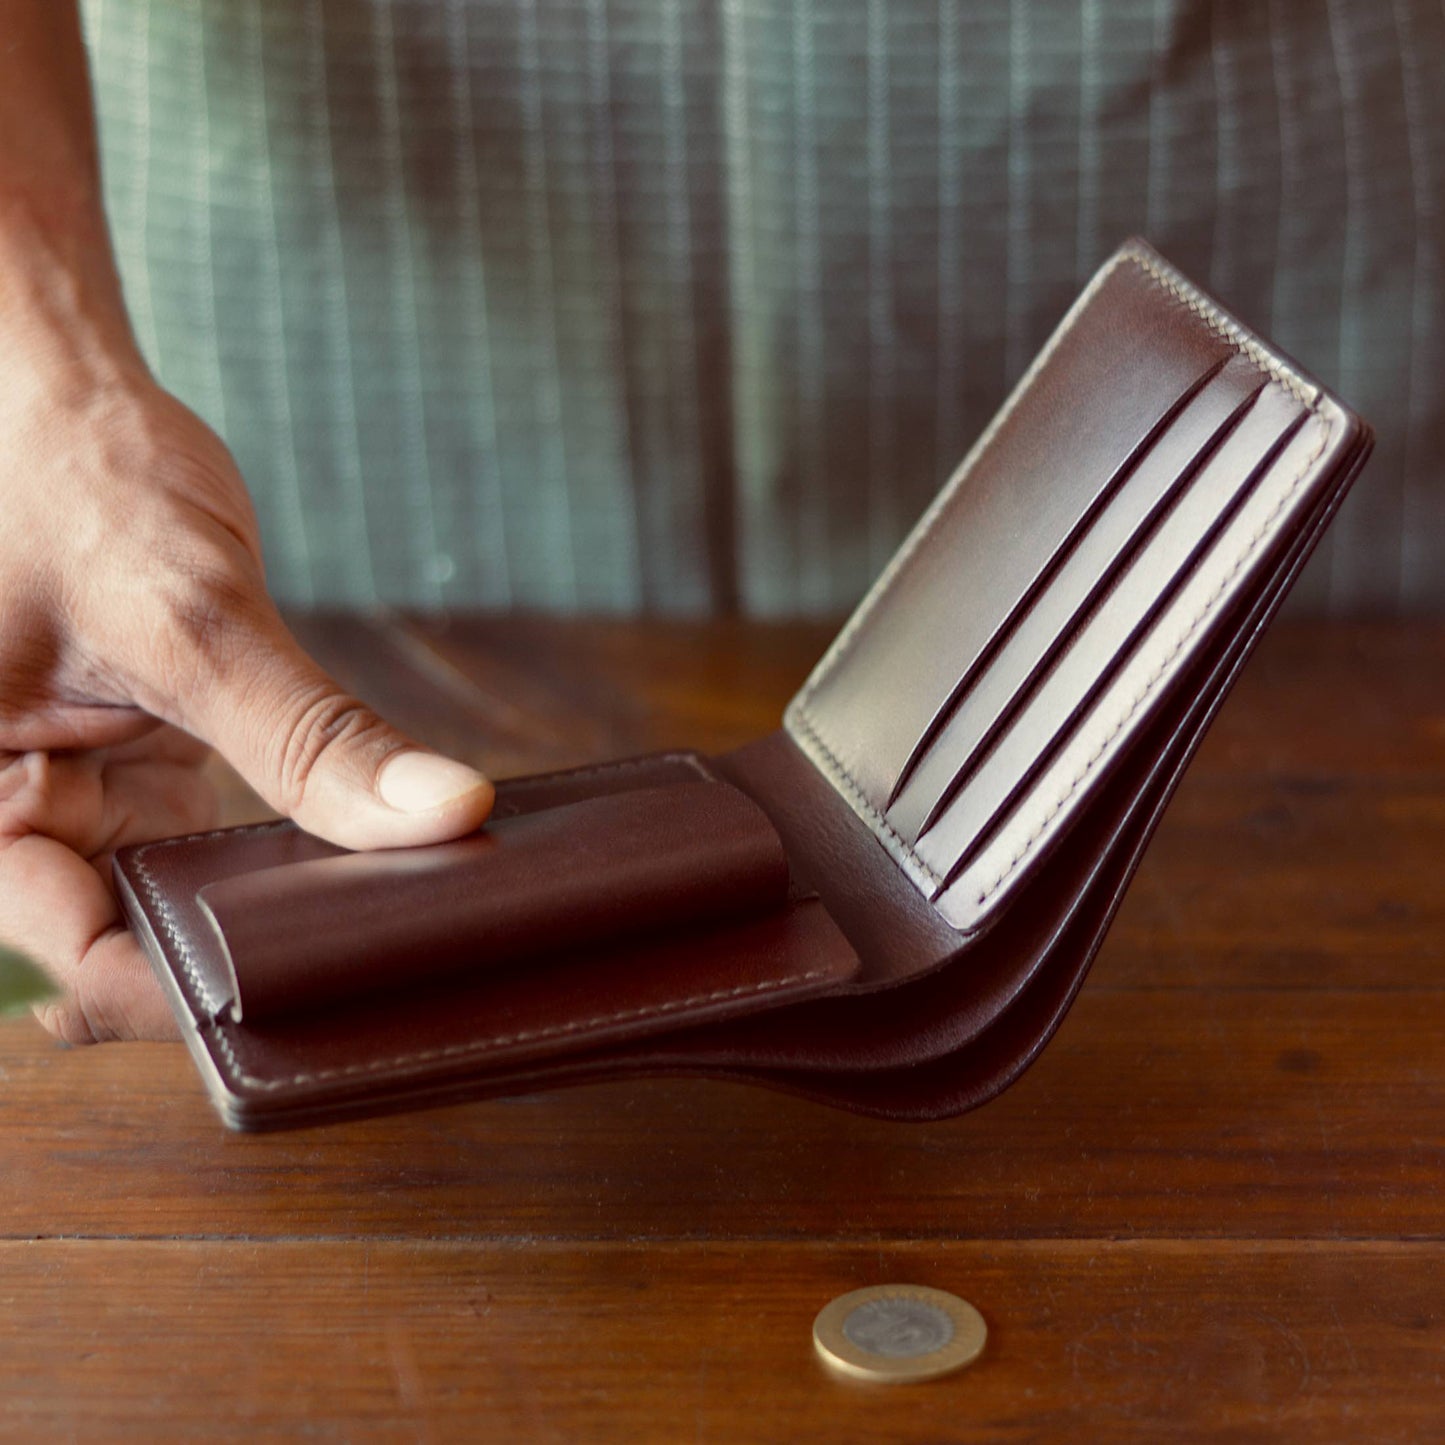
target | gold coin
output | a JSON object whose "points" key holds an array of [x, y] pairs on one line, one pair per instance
{"points": [[896, 1332]]}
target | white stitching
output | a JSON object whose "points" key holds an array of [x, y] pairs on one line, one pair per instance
{"points": [[895, 842], [904, 555], [239, 1071], [1142, 696], [1227, 330], [475, 1046], [163, 908], [799, 718]]}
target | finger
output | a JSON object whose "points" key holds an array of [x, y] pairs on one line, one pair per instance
{"points": [[55, 907], [60, 725], [144, 798], [94, 802], [308, 748], [59, 794]]}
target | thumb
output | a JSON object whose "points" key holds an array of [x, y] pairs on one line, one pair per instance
{"points": [[312, 751]]}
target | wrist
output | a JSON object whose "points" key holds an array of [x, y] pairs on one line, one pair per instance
{"points": [[62, 313]]}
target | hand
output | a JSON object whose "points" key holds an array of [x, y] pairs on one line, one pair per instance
{"points": [[135, 629]]}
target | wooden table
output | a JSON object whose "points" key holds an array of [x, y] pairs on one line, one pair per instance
{"points": [[1213, 1210]]}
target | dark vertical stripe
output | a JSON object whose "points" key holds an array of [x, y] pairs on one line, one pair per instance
{"points": [[713, 308]]}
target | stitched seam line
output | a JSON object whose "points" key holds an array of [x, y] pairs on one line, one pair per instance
{"points": [[162, 909], [893, 836], [476, 1046], [843, 643], [799, 714], [1226, 330]]}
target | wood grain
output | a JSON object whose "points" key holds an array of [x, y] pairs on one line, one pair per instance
{"points": [[416, 1341], [1211, 1211]]}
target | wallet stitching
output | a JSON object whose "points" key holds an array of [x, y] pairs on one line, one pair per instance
{"points": [[162, 908], [1226, 329], [799, 714], [479, 1046], [897, 845], [164, 912], [1142, 696]]}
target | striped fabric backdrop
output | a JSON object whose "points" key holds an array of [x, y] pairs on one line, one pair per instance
{"points": [[690, 305]]}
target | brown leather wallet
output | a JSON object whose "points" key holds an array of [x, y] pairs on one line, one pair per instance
{"points": [[889, 903]]}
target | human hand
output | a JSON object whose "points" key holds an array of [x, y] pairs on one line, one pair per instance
{"points": [[135, 629]]}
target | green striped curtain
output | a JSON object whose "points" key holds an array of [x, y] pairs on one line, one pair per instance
{"points": [[690, 305]]}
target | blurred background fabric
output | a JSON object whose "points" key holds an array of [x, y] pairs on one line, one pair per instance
{"points": [[690, 305]]}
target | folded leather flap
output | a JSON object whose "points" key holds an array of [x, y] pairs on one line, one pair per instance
{"points": [[321, 931]]}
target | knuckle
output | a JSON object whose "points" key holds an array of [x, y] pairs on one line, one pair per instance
{"points": [[156, 476], [321, 727], [204, 610], [66, 1022], [99, 1004]]}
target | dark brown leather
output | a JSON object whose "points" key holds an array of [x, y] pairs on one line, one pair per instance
{"points": [[585, 874], [960, 794]]}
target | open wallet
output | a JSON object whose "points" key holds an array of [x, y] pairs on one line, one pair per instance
{"points": [[889, 903]]}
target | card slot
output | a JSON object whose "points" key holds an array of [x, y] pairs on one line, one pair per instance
{"points": [[1045, 581], [1106, 639], [984, 707], [1254, 559], [995, 531]]}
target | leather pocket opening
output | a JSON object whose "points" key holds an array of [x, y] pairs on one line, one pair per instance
{"points": [[1023, 768], [978, 713]]}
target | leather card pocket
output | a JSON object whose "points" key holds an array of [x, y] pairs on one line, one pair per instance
{"points": [[584, 875], [982, 849], [1050, 709], [987, 548], [985, 701], [952, 704]]}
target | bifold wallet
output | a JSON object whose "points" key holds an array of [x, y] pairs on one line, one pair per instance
{"points": [[889, 903]]}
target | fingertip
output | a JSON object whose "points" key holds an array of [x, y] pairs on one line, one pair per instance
{"points": [[415, 799], [452, 817], [416, 782]]}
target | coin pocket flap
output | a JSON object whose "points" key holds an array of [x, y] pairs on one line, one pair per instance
{"points": [[586, 874]]}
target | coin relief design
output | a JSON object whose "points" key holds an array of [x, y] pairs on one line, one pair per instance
{"points": [[898, 1328]]}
